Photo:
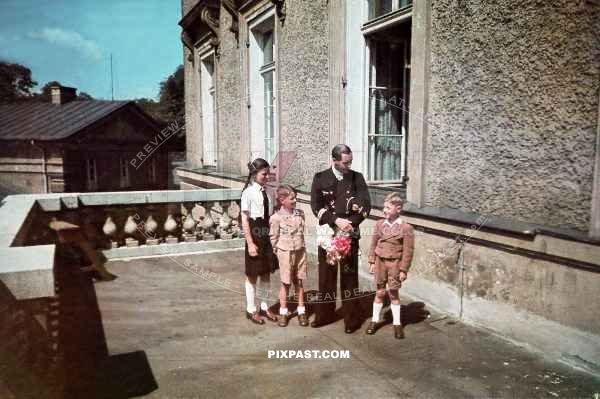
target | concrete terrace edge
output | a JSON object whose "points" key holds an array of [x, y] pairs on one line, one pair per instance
{"points": [[173, 249], [28, 271]]}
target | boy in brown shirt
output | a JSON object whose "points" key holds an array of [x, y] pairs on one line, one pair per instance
{"points": [[287, 239], [390, 257]]}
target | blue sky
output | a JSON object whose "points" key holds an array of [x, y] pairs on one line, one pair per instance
{"points": [[71, 42]]}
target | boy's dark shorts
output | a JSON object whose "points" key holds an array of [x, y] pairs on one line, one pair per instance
{"points": [[387, 270]]}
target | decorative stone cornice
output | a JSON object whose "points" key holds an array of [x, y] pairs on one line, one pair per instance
{"points": [[246, 5], [201, 20], [280, 9], [232, 7], [210, 21]]}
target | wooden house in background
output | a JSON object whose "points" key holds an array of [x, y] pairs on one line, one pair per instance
{"points": [[78, 146]]}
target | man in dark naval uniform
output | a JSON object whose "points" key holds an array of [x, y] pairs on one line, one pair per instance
{"points": [[339, 198]]}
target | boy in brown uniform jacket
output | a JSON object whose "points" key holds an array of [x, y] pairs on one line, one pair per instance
{"points": [[390, 257], [287, 239]]}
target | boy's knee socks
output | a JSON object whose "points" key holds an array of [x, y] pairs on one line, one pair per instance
{"points": [[376, 311], [395, 314]]}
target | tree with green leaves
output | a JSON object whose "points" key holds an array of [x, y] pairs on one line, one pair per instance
{"points": [[170, 106], [149, 106], [15, 82], [83, 96], [171, 98]]}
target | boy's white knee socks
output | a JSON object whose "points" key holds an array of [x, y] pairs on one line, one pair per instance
{"points": [[376, 311], [395, 314]]}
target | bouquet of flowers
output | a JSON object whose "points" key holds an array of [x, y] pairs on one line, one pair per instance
{"points": [[337, 245]]}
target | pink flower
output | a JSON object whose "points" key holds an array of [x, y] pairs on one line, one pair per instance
{"points": [[338, 248]]}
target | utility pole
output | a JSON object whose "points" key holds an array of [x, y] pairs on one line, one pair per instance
{"points": [[112, 90]]}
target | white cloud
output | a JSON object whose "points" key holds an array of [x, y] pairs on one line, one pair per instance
{"points": [[69, 39]]}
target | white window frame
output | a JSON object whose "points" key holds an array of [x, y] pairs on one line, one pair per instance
{"points": [[396, 9], [91, 174], [124, 180], [393, 18], [207, 105], [257, 69]]}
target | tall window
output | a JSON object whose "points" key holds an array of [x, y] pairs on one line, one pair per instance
{"points": [[92, 175], [123, 172], [208, 109], [263, 140], [388, 95], [151, 170]]}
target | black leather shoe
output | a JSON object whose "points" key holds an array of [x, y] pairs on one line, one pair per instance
{"points": [[269, 315], [303, 320], [398, 332], [254, 318], [350, 329], [371, 328], [283, 320], [320, 323]]}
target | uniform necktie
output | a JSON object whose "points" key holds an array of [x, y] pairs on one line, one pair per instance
{"points": [[265, 204]]}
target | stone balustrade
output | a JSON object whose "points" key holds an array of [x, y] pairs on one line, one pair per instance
{"points": [[118, 225]]}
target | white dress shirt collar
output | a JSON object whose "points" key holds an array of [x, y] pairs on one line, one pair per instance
{"points": [[338, 175], [398, 220], [256, 186]]}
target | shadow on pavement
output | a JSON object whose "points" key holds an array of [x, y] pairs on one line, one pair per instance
{"points": [[56, 347], [412, 313]]}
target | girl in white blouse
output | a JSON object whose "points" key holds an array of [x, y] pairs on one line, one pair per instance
{"points": [[260, 261]]}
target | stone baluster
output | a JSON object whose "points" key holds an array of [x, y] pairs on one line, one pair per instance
{"points": [[234, 213], [110, 229], [151, 227], [224, 227], [198, 214], [207, 228], [130, 229], [188, 226], [170, 226]]}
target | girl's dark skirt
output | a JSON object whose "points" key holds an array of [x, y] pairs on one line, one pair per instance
{"points": [[266, 261]]}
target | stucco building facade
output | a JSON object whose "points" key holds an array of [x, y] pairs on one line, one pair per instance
{"points": [[484, 115]]}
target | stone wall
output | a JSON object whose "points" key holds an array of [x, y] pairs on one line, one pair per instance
{"points": [[303, 97], [304, 88], [193, 136], [229, 97], [514, 109], [542, 303]]}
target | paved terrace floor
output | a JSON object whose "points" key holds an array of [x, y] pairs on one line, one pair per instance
{"points": [[168, 329]]}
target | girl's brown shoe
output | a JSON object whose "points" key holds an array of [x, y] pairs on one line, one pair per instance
{"points": [[254, 318], [269, 315]]}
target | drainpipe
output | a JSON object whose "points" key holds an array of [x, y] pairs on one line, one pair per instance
{"points": [[461, 275], [44, 168]]}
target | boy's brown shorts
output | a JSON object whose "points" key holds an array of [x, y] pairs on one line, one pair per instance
{"points": [[292, 265], [388, 271]]}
